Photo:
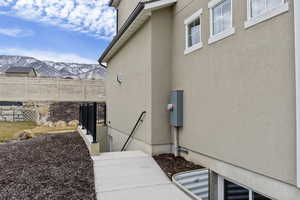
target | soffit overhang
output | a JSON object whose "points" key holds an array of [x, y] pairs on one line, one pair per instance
{"points": [[137, 18], [114, 3]]}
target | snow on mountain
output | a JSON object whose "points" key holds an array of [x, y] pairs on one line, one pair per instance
{"points": [[54, 69]]}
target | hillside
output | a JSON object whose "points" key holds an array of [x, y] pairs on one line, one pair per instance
{"points": [[54, 69]]}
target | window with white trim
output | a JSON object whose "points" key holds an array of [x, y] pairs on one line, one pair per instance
{"points": [[258, 7], [193, 39], [229, 190], [220, 20], [261, 10], [193, 34]]}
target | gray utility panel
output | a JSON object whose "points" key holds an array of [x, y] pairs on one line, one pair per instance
{"points": [[177, 108]]}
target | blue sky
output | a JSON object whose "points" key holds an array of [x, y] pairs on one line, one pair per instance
{"points": [[57, 30]]}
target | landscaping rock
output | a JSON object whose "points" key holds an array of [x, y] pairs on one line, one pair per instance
{"points": [[25, 135], [61, 124], [73, 123], [48, 124]]}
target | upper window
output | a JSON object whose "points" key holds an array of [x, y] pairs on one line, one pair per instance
{"points": [[220, 19], [193, 32], [261, 10], [258, 7]]}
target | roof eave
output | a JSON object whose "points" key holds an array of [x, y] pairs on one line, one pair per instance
{"points": [[137, 18], [114, 3]]}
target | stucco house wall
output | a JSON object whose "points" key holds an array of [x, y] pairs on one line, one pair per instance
{"points": [[239, 104], [161, 23], [130, 97], [239, 94], [144, 65]]}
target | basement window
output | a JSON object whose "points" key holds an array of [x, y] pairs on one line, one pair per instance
{"points": [[228, 190], [193, 32], [262, 10]]}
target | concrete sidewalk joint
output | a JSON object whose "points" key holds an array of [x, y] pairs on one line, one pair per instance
{"points": [[132, 175]]}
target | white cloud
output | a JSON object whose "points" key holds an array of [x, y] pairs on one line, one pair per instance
{"points": [[5, 2], [16, 32], [92, 17], [47, 55]]}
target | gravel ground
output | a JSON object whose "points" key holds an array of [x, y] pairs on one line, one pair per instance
{"points": [[172, 165], [46, 167]]}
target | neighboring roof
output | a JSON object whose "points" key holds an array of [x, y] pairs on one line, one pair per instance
{"points": [[9, 103], [136, 19], [23, 70]]}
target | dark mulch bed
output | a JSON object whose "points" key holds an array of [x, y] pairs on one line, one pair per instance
{"points": [[47, 167], [68, 111], [172, 165]]}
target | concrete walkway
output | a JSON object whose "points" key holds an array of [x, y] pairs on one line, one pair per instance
{"points": [[132, 175]]}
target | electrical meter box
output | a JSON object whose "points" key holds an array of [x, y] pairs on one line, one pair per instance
{"points": [[176, 111]]}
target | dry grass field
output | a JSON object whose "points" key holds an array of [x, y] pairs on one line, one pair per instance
{"points": [[10, 130]]}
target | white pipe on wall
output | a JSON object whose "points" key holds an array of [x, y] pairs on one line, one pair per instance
{"points": [[175, 141]]}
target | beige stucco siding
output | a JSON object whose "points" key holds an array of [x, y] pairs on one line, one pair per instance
{"points": [[161, 74], [126, 101], [239, 103], [145, 63]]}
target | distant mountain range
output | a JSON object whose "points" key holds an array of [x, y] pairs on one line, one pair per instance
{"points": [[54, 69]]}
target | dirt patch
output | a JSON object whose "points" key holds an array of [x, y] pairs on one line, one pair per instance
{"points": [[47, 167], [66, 111], [172, 165]]}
